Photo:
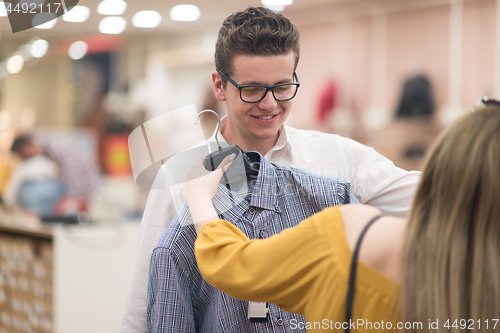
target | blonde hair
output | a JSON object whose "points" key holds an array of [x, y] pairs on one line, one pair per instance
{"points": [[451, 255]]}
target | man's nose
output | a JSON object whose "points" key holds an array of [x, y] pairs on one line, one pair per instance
{"points": [[268, 102]]}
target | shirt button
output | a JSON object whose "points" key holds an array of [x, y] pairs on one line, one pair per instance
{"points": [[262, 234], [251, 210], [279, 322]]}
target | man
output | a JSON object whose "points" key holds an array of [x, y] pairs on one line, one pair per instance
{"points": [[260, 47], [65, 177]]}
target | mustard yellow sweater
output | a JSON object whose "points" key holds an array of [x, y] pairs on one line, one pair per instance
{"points": [[303, 270]]}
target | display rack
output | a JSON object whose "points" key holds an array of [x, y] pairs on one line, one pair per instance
{"points": [[26, 268]]}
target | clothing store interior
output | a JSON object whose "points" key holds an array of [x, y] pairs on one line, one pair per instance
{"points": [[93, 100]]}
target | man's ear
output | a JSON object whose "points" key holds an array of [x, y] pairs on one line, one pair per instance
{"points": [[218, 88]]}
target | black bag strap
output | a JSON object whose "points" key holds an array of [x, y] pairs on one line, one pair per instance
{"points": [[352, 273]]}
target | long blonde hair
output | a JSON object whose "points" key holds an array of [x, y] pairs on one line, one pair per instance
{"points": [[451, 255]]}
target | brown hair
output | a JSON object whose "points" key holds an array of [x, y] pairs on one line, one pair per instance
{"points": [[255, 31], [451, 255], [20, 142]]}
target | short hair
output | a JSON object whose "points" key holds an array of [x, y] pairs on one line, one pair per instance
{"points": [[20, 142], [255, 31]]}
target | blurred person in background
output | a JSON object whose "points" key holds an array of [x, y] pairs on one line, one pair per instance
{"points": [[35, 184], [440, 269], [55, 177], [8, 162]]}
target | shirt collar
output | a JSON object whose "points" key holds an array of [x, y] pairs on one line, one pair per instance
{"points": [[282, 139], [282, 147], [223, 124], [264, 194]]}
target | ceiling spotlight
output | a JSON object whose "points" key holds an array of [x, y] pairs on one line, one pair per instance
{"points": [[185, 13], [3, 8], [15, 64], [77, 50], [38, 48], [146, 19], [76, 14], [111, 7], [275, 8], [50, 20], [112, 25]]}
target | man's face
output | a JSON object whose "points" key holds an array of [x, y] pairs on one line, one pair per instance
{"points": [[255, 124]]}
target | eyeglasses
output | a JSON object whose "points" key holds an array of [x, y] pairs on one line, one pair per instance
{"points": [[253, 93]]}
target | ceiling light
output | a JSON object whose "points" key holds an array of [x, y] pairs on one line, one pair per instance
{"points": [[3, 10], [76, 14], [112, 25], [185, 13], [275, 8], [111, 7], [50, 20], [146, 19], [77, 50], [15, 64], [276, 2], [38, 48]]}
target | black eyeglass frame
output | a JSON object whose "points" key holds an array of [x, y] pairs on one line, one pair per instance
{"points": [[240, 87]]}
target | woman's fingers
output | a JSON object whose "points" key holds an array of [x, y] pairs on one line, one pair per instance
{"points": [[198, 170], [226, 162]]}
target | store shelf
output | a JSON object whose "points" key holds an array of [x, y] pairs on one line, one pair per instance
{"points": [[64, 278], [26, 261]]}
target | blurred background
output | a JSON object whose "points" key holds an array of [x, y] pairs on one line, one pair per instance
{"points": [[388, 73]]}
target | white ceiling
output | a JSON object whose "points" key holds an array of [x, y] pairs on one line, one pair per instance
{"points": [[213, 12]]}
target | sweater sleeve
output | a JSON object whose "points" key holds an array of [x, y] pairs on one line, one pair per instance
{"points": [[286, 269]]}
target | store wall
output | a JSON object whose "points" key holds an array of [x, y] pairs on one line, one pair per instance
{"points": [[370, 56], [418, 41], [367, 55], [479, 58], [43, 90]]}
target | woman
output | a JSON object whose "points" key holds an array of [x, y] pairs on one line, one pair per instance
{"points": [[446, 258]]}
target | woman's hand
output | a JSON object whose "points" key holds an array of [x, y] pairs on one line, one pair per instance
{"points": [[201, 185], [199, 189]]}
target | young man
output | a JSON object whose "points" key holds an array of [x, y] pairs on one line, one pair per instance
{"points": [[259, 47]]}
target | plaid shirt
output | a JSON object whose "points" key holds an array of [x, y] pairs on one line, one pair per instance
{"points": [[180, 300]]}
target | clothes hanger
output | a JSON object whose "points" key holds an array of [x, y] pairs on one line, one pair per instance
{"points": [[250, 160]]}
